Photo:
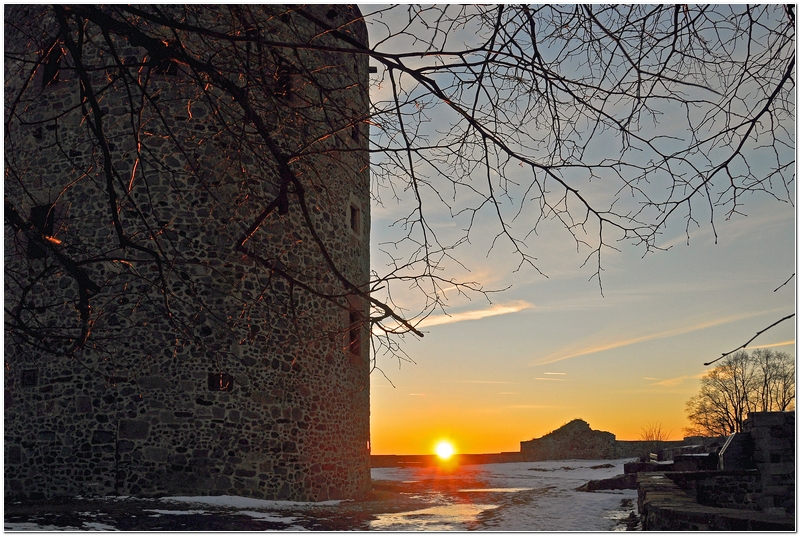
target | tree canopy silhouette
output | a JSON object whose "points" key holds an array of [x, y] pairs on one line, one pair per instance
{"points": [[760, 381]]}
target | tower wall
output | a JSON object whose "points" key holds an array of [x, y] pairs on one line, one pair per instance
{"points": [[186, 314]]}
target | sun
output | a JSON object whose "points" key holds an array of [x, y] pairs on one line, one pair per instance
{"points": [[444, 450]]}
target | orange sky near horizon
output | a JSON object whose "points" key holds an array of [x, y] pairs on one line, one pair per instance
{"points": [[618, 339], [412, 423], [485, 417], [547, 351]]}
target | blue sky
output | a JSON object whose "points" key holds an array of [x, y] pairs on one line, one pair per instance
{"points": [[553, 347], [548, 350]]}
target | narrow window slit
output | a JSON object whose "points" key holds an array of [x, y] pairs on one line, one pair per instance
{"points": [[219, 381], [355, 219], [52, 66], [42, 218]]}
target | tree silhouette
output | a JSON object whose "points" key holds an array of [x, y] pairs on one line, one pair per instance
{"points": [[740, 384], [611, 122]]}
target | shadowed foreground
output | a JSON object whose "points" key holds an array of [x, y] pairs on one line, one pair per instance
{"points": [[511, 496]]}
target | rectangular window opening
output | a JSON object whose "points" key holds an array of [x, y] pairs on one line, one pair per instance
{"points": [[52, 66], [219, 381], [355, 219], [42, 218]]}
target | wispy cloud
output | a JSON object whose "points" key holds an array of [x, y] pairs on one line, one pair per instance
{"points": [[551, 379], [734, 230], [611, 345], [416, 394], [774, 345], [493, 310], [532, 406], [672, 382], [478, 381], [556, 373]]}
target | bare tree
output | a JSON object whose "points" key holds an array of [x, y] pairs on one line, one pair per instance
{"points": [[776, 388], [740, 384], [654, 432], [654, 436], [610, 122]]}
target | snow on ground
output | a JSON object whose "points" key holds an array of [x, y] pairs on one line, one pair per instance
{"points": [[525, 496], [233, 501], [35, 527]]}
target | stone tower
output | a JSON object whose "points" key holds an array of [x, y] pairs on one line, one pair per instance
{"points": [[186, 251]]}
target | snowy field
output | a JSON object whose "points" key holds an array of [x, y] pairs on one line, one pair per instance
{"points": [[533, 496]]}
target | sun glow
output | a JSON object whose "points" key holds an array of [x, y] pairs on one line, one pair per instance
{"points": [[444, 450]]}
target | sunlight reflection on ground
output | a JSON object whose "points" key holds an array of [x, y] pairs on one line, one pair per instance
{"points": [[450, 517]]}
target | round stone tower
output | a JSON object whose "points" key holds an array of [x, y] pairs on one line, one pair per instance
{"points": [[186, 251]]}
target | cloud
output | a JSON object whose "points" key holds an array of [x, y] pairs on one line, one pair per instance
{"points": [[672, 382], [533, 406], [556, 373], [478, 381], [602, 347], [551, 379], [734, 230], [494, 310], [416, 394], [774, 345]]}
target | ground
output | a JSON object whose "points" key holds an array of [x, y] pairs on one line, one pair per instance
{"points": [[524, 496]]}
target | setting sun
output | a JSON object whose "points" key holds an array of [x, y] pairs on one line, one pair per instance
{"points": [[444, 450]]}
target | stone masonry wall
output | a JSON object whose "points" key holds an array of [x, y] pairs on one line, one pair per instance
{"points": [[729, 490], [206, 371], [773, 437]]}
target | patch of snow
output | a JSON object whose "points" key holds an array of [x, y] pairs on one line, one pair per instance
{"points": [[97, 526], [233, 501], [546, 499], [263, 516], [36, 527], [176, 512]]}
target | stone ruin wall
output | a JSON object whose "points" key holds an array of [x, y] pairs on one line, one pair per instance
{"points": [[576, 440], [137, 412]]}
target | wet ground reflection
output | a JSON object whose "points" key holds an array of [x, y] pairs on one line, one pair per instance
{"points": [[449, 517]]}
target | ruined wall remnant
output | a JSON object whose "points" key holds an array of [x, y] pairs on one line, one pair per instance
{"points": [[186, 251], [574, 440], [756, 493]]}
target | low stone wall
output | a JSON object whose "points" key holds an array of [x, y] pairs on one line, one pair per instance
{"points": [[725, 491], [722, 489], [666, 506], [427, 460], [637, 449]]}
